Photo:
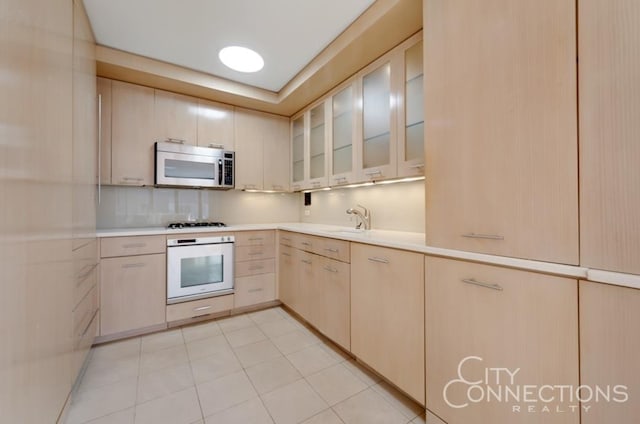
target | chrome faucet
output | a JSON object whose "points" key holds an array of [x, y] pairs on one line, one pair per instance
{"points": [[365, 218]]}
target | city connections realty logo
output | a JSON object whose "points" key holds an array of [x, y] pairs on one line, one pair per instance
{"points": [[502, 385]]}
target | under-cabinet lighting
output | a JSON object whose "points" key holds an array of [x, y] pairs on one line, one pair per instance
{"points": [[367, 184], [241, 59]]}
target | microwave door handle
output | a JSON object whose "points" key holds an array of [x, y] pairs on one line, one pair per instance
{"points": [[220, 173]]}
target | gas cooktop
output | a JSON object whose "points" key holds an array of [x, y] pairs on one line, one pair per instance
{"points": [[191, 224]]}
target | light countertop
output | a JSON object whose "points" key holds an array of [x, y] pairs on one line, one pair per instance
{"points": [[410, 241]]}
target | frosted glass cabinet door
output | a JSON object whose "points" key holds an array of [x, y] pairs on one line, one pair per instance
{"points": [[317, 146], [378, 140], [411, 116], [342, 136], [297, 153]]}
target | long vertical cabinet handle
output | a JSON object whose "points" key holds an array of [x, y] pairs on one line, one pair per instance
{"points": [[99, 148]]}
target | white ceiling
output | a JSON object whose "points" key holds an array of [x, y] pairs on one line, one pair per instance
{"points": [[287, 33]]}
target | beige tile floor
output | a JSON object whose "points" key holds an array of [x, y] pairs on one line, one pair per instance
{"points": [[260, 367]]}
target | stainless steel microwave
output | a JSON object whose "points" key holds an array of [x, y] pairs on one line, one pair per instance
{"points": [[183, 165]]}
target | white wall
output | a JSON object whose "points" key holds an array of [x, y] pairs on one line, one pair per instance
{"points": [[397, 207], [127, 207]]}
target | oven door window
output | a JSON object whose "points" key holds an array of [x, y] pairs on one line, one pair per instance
{"points": [[201, 270]]}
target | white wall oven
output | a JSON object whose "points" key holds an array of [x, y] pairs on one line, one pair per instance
{"points": [[199, 267]]}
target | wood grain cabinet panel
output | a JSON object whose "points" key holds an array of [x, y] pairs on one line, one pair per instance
{"points": [[175, 117], [508, 319], [104, 141], [387, 314], [501, 127], [609, 42], [330, 295], [609, 350], [215, 125]]}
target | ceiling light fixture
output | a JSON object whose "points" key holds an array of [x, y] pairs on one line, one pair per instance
{"points": [[241, 59]]}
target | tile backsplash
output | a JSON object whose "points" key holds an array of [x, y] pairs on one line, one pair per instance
{"points": [[133, 207]]}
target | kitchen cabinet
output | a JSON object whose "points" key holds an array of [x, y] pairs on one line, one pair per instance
{"points": [[215, 125], [609, 350], [379, 130], [387, 314], [298, 167], [508, 319], [257, 133], [288, 284], [343, 133], [175, 118], [501, 130], [309, 144], [133, 285], [609, 39], [132, 134], [255, 278], [219, 305], [411, 113], [103, 86]]}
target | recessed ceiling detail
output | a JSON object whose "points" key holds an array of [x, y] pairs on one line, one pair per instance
{"points": [[287, 33]]}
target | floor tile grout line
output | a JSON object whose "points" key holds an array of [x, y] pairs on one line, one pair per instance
{"points": [[195, 386]]}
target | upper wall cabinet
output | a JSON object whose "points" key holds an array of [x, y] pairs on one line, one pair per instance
{"points": [[501, 128], [262, 159], [132, 134], [609, 40], [343, 133], [176, 118], [298, 153], [215, 125], [310, 147], [411, 114], [103, 87]]}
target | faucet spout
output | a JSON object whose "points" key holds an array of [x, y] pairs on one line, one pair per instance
{"points": [[365, 217]]}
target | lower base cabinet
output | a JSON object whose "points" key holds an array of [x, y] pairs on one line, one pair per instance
{"points": [[485, 323], [387, 314], [609, 351], [255, 289], [133, 293]]}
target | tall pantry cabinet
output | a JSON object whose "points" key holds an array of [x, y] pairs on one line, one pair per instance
{"points": [[500, 129]]}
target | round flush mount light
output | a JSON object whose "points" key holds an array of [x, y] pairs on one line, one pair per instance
{"points": [[241, 59]]}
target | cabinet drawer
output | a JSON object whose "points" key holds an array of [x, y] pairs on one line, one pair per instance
{"points": [[332, 248], [128, 246], [197, 308], [264, 266], [84, 312], [287, 238], [252, 238], [306, 243], [250, 253], [255, 289]]}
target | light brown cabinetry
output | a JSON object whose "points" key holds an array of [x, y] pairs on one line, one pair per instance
{"points": [[215, 125], [175, 118], [508, 319], [387, 314], [104, 127], [255, 279], [132, 287], [288, 283], [132, 134], [609, 39], [199, 308], [609, 350], [501, 130], [261, 161]]}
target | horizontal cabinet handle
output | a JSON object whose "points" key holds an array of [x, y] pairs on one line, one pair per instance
{"points": [[379, 260], [202, 308], [481, 284], [255, 268], [254, 290], [420, 165], [256, 253], [326, 268], [175, 140], [483, 236], [316, 184], [132, 245], [132, 179], [328, 249], [305, 243], [216, 146], [285, 238], [285, 254], [138, 265], [373, 173], [305, 261], [256, 238]]}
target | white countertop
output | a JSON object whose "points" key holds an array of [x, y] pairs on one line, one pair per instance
{"points": [[398, 240]]}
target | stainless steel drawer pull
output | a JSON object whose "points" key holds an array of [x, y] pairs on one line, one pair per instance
{"points": [[285, 238], [373, 173], [481, 284], [216, 146], [175, 140], [255, 290], [316, 184], [483, 236], [328, 249], [304, 243], [421, 165], [256, 238], [134, 179], [255, 268], [132, 245], [380, 260], [285, 254], [305, 261], [138, 265], [326, 268], [202, 308]]}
